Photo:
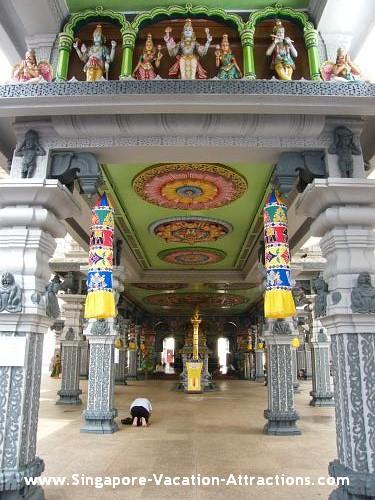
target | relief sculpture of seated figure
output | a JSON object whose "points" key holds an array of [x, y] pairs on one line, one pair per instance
{"points": [[363, 295], [10, 294]]}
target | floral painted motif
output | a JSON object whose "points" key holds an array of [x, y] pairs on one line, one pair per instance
{"points": [[189, 186], [192, 256], [187, 300], [190, 230]]}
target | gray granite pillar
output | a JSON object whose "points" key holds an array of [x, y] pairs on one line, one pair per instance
{"points": [[71, 340], [301, 358], [84, 365], [100, 413], [132, 353], [259, 365], [121, 367], [321, 381], [344, 217], [294, 370], [281, 414], [308, 360], [30, 214]]}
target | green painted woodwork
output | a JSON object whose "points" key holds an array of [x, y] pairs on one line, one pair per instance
{"points": [[137, 296], [139, 5], [134, 216]]}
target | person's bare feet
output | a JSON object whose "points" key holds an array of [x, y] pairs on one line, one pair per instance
{"points": [[144, 423], [135, 421]]}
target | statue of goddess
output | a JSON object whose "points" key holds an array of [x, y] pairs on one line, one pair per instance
{"points": [[187, 65], [97, 58], [282, 51], [226, 62], [145, 69]]}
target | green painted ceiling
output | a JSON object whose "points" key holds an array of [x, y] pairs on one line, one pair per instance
{"points": [[140, 5], [134, 216]]}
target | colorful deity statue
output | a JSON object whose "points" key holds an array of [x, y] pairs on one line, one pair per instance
{"points": [[29, 71], [187, 52], [97, 58], [226, 62], [282, 51], [145, 67], [343, 70]]}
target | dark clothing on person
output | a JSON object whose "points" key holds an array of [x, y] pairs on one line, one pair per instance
{"points": [[139, 412]]}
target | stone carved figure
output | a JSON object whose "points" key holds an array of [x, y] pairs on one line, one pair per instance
{"points": [[363, 295], [29, 71], [29, 150], [52, 304], [10, 294], [187, 52], [282, 51], [344, 147], [226, 63], [145, 67], [97, 58], [320, 287]]}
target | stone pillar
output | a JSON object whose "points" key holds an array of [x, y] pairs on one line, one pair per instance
{"points": [[71, 350], [121, 367], [321, 381], [308, 362], [206, 376], [259, 365], [30, 214], [294, 370], [301, 358], [132, 349], [281, 414], [344, 217], [100, 413], [84, 365]]}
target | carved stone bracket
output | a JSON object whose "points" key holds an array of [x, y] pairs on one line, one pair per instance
{"points": [[69, 166]]}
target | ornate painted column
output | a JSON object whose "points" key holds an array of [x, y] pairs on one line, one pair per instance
{"points": [[100, 414], [344, 217], [30, 215], [281, 414], [311, 42], [133, 353], [259, 365], [71, 350], [128, 42], [65, 46], [247, 40], [121, 367]]}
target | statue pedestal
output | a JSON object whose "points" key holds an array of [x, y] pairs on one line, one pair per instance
{"points": [[194, 377]]}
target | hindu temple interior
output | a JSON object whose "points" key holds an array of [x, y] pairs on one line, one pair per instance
{"points": [[187, 219]]}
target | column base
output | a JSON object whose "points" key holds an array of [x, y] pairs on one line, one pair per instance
{"points": [[325, 400], [69, 397], [120, 381], [13, 487], [99, 422], [83, 377], [361, 484], [259, 379], [281, 423], [132, 377]]}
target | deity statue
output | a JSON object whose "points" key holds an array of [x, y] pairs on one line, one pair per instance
{"points": [[320, 287], [187, 52], [343, 70], [344, 147], [29, 149], [282, 51], [145, 67], [10, 294], [97, 58], [29, 71], [363, 295], [52, 305], [226, 62]]}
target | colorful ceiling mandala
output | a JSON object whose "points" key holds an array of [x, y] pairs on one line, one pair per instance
{"points": [[190, 230], [160, 286], [207, 300], [189, 186], [192, 256]]}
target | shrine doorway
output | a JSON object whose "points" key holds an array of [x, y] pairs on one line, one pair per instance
{"points": [[168, 355], [223, 350]]}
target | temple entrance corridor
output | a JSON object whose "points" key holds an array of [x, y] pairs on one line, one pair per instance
{"points": [[215, 434]]}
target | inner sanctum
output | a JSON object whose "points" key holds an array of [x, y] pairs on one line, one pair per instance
{"points": [[187, 219]]}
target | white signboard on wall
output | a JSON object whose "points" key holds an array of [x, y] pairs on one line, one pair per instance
{"points": [[12, 351]]}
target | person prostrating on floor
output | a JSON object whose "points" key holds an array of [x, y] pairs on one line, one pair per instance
{"points": [[140, 410]]}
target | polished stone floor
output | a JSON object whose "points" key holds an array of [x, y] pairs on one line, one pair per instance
{"points": [[215, 434]]}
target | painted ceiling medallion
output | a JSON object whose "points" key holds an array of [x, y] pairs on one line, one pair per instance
{"points": [[215, 300], [160, 286], [192, 256], [190, 230], [189, 186]]}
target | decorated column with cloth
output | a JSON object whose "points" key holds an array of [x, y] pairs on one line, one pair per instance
{"points": [[278, 300], [100, 301]]}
